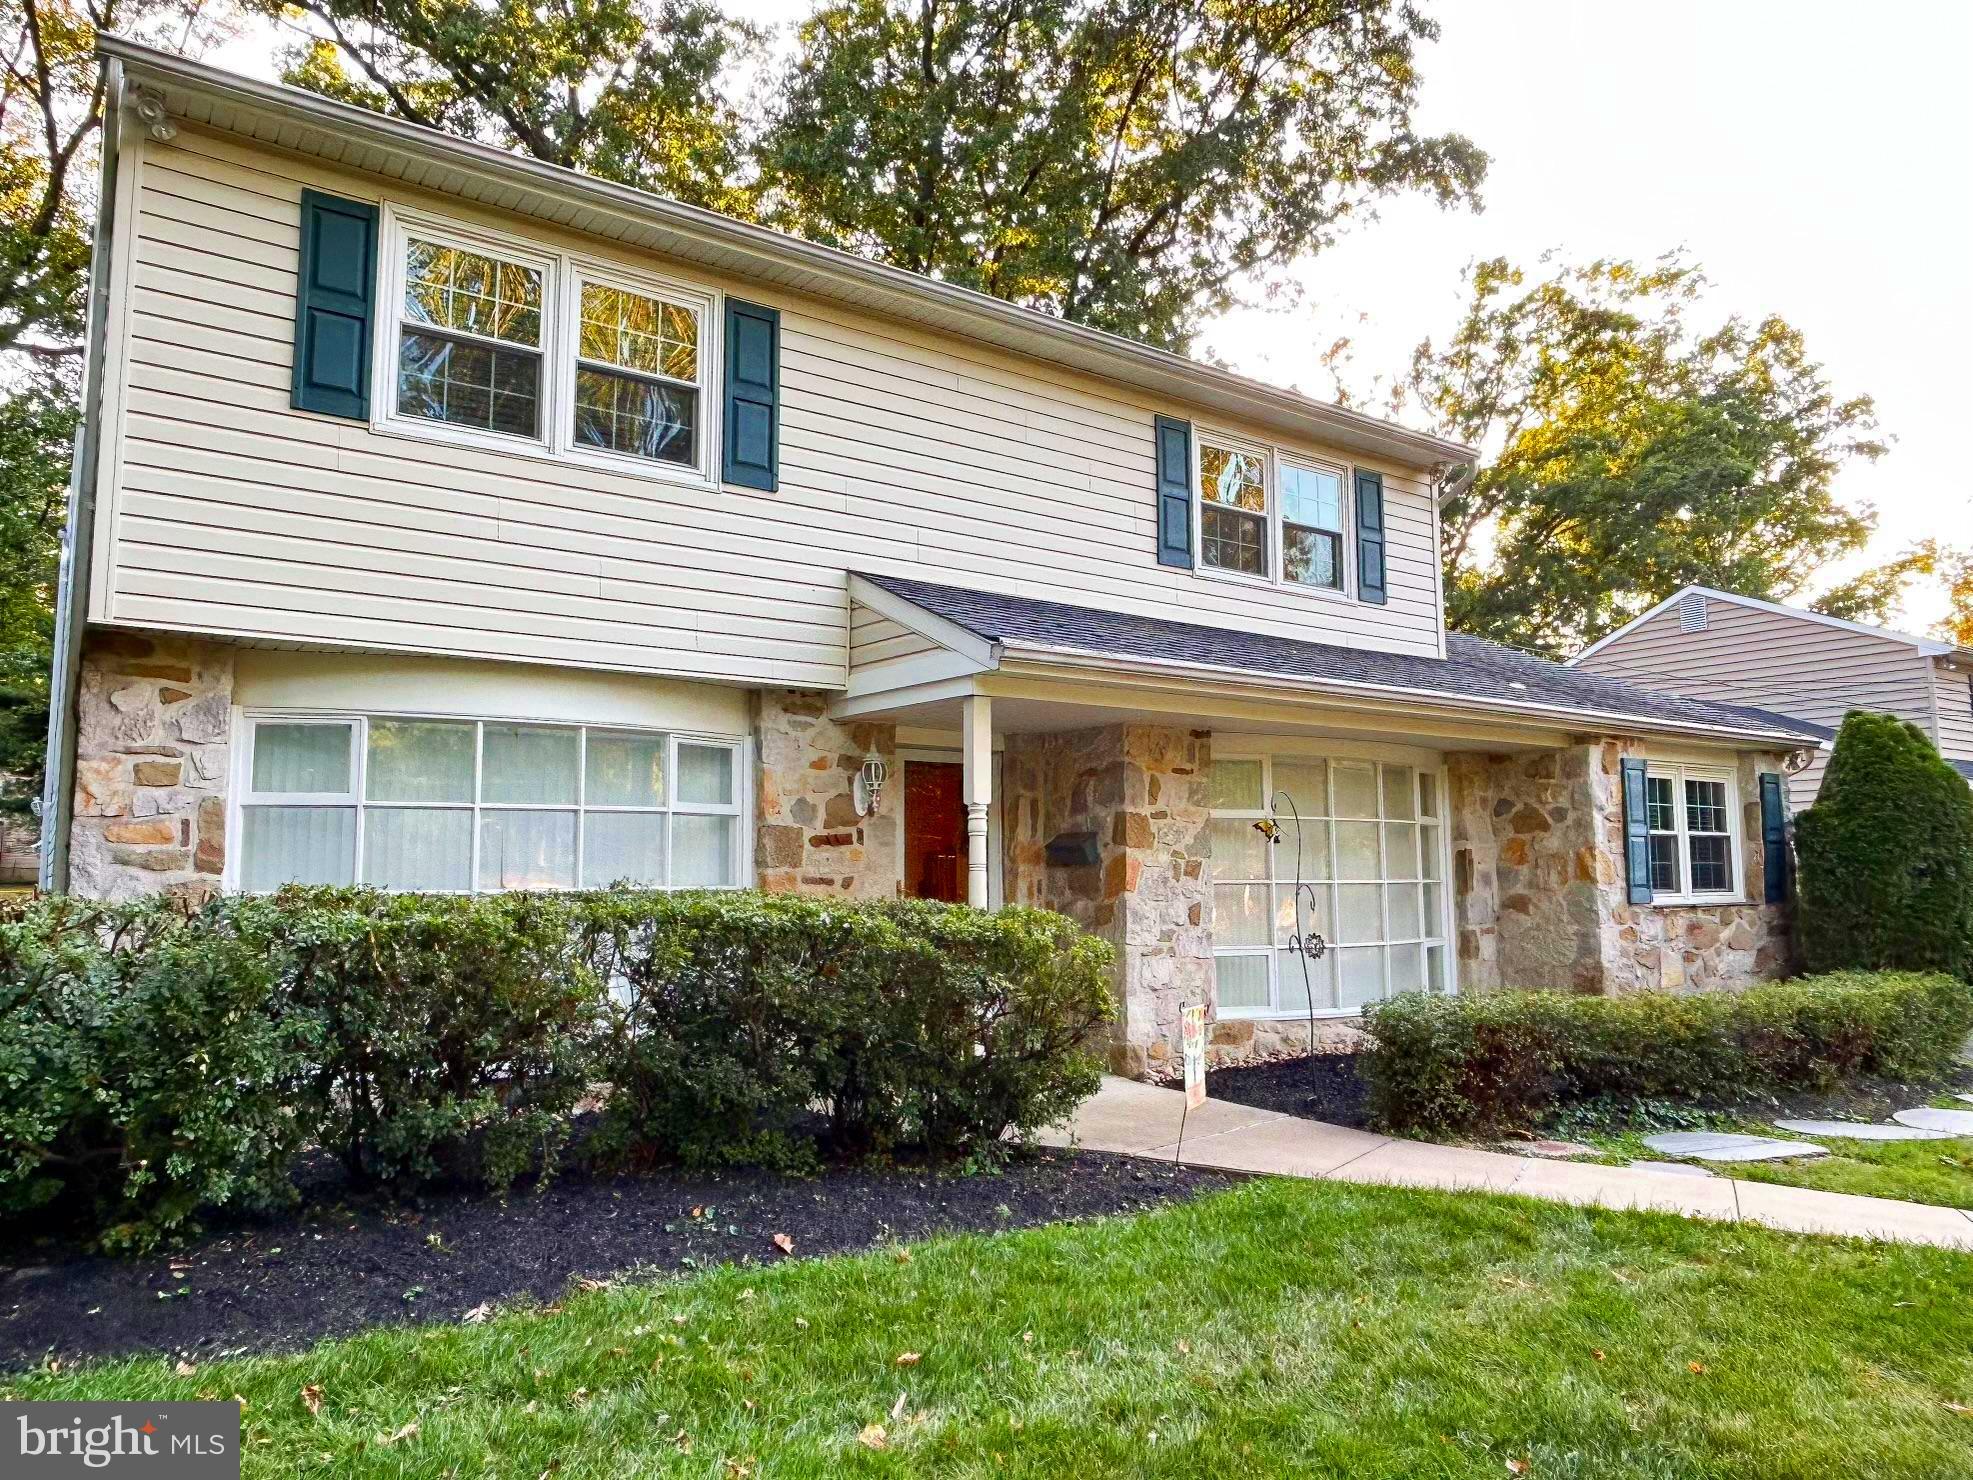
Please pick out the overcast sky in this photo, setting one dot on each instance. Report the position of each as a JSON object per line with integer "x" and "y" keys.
{"x": 1813, "y": 156}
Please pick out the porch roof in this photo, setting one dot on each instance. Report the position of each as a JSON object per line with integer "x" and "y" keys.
{"x": 1474, "y": 671}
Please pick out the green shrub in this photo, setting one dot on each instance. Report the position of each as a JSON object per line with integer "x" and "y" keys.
{"x": 1886, "y": 855}
{"x": 735, "y": 1017}
{"x": 1496, "y": 1060}
{"x": 147, "y": 1067}
{"x": 154, "y": 1060}
{"x": 457, "y": 1032}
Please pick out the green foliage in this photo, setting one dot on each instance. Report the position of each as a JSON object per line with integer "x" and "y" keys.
{"x": 1493, "y": 1060}
{"x": 146, "y": 1068}
{"x": 154, "y": 1060}
{"x": 1632, "y": 453}
{"x": 636, "y": 91}
{"x": 457, "y": 1032}
{"x": 911, "y": 1024}
{"x": 1886, "y": 855}
{"x": 1120, "y": 163}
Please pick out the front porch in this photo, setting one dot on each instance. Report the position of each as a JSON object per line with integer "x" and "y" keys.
{"x": 1283, "y": 846}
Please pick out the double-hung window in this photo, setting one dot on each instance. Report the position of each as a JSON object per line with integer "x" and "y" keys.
{"x": 476, "y": 806}
{"x": 1271, "y": 516}
{"x": 1695, "y": 850}
{"x": 1233, "y": 512}
{"x": 502, "y": 345}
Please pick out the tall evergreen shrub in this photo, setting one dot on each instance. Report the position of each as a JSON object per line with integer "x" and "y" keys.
{"x": 1886, "y": 855}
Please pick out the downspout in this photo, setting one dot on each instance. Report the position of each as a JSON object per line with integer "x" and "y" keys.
{"x": 72, "y": 586}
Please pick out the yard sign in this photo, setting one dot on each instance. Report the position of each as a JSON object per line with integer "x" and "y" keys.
{"x": 1192, "y": 1039}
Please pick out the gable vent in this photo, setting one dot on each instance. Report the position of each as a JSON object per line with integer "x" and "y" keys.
{"x": 1692, "y": 612}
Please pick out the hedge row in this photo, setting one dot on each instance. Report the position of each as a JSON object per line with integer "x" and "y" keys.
{"x": 1497, "y": 1060}
{"x": 155, "y": 1061}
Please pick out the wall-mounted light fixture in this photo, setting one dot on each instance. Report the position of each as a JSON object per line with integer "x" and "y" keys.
{"x": 868, "y": 788}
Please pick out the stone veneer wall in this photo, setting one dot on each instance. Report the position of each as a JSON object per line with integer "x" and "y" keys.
{"x": 153, "y": 722}
{"x": 1144, "y": 792}
{"x": 1540, "y": 892}
{"x": 808, "y": 836}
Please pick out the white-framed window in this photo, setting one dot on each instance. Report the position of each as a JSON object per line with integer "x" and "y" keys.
{"x": 1372, "y": 853}
{"x": 483, "y": 805}
{"x": 1692, "y": 813}
{"x": 499, "y": 343}
{"x": 1266, "y": 514}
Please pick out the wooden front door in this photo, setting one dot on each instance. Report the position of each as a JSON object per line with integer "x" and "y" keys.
{"x": 934, "y": 831}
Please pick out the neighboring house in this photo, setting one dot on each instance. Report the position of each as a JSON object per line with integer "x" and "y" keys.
{"x": 450, "y": 521}
{"x": 1716, "y": 645}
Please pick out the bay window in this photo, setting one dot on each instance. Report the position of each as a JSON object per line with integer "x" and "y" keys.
{"x": 500, "y": 344}
{"x": 1695, "y": 847}
{"x": 483, "y": 805}
{"x": 1370, "y": 851}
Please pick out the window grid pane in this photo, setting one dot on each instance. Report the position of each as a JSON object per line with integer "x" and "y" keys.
{"x": 467, "y": 806}
{"x": 1384, "y": 930}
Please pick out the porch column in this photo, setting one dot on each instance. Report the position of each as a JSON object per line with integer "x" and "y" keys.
{"x": 976, "y": 785}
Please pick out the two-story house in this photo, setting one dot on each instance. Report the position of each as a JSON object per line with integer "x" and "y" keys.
{"x": 1718, "y": 645}
{"x": 449, "y": 521}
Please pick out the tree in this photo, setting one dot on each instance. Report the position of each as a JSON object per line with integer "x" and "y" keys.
{"x": 1886, "y": 855}
{"x": 634, "y": 91}
{"x": 1121, "y": 163}
{"x": 1630, "y": 454}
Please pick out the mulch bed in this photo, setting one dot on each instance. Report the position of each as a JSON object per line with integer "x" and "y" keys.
{"x": 1324, "y": 1086}
{"x": 281, "y": 1285}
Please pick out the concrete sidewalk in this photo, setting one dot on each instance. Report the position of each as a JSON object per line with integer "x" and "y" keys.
{"x": 1143, "y": 1120}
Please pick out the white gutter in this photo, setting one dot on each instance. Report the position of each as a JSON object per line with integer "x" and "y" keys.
{"x": 1126, "y": 360}
{"x": 1051, "y": 656}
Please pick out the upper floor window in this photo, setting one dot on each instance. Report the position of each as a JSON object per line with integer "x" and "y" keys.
{"x": 1695, "y": 847}
{"x": 503, "y": 345}
{"x": 1271, "y": 517}
{"x": 1233, "y": 512}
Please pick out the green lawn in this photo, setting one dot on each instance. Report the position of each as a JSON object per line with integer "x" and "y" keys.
{"x": 1281, "y": 1328}
{"x": 1939, "y": 1172}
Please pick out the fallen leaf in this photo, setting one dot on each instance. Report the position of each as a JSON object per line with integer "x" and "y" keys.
{"x": 682, "y": 1442}
{"x": 1596, "y": 1352}
{"x": 897, "y": 1408}
{"x": 185, "y": 1369}
{"x": 1517, "y": 1467}
{"x": 785, "y": 1244}
{"x": 746, "y": 1294}
{"x": 678, "y": 1320}
{"x": 579, "y": 1398}
{"x": 800, "y": 1324}
{"x": 1185, "y": 1347}
{"x": 698, "y": 1212}
{"x": 311, "y": 1397}
{"x": 1027, "y": 1338}
{"x": 592, "y": 1284}
{"x": 479, "y": 1314}
{"x": 903, "y": 1256}
{"x": 738, "y": 1469}
{"x": 907, "y": 1359}
{"x": 749, "y": 1404}
{"x": 1695, "y": 1368}
{"x": 409, "y": 1431}
{"x": 1962, "y": 1409}
{"x": 871, "y": 1436}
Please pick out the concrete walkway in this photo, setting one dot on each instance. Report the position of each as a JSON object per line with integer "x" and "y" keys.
{"x": 1142, "y": 1120}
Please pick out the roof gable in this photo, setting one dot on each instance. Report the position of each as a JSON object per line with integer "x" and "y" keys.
{"x": 1927, "y": 645}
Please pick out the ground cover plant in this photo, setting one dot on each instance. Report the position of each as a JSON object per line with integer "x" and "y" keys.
{"x": 1280, "y": 1328}
{"x": 157, "y": 1060}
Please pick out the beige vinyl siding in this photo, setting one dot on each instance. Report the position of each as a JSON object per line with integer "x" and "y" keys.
{"x": 1953, "y": 688}
{"x": 1772, "y": 660}
{"x": 230, "y": 513}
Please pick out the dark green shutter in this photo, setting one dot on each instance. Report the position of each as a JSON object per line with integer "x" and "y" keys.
{"x": 753, "y": 393}
{"x": 1774, "y": 837}
{"x": 333, "y": 305}
{"x": 1370, "y": 537}
{"x": 1637, "y": 834}
{"x": 1174, "y": 492}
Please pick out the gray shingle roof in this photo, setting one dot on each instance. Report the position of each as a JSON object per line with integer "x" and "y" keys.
{"x": 1473, "y": 667}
